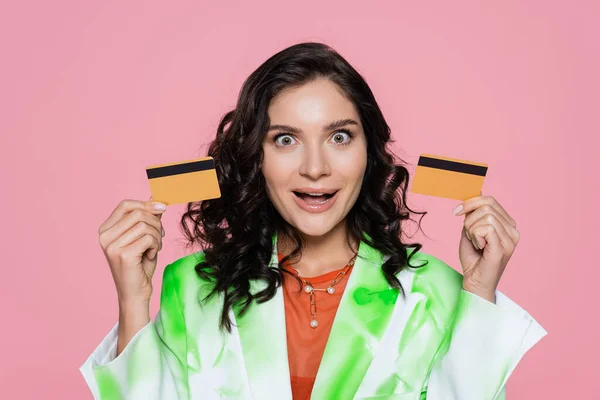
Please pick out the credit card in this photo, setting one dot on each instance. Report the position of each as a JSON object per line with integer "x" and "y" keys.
{"x": 448, "y": 177}
{"x": 184, "y": 181}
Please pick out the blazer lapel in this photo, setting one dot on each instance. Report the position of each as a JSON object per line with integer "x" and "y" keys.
{"x": 360, "y": 322}
{"x": 264, "y": 344}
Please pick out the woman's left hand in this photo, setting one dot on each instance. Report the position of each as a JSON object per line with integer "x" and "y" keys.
{"x": 488, "y": 240}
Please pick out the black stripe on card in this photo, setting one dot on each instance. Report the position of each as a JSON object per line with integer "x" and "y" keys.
{"x": 170, "y": 170}
{"x": 452, "y": 166}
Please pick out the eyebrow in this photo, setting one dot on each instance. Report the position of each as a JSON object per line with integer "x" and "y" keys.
{"x": 329, "y": 127}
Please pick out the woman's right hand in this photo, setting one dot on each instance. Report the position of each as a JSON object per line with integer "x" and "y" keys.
{"x": 131, "y": 238}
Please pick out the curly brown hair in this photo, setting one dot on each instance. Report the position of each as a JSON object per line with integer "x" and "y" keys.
{"x": 236, "y": 230}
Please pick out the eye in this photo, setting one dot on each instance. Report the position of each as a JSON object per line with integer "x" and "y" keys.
{"x": 286, "y": 139}
{"x": 342, "y": 137}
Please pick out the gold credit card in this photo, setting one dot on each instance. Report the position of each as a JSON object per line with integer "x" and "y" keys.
{"x": 184, "y": 181}
{"x": 448, "y": 177}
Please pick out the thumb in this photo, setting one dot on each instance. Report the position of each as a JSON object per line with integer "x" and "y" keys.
{"x": 159, "y": 215}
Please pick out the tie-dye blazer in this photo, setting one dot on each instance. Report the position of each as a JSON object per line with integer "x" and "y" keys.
{"x": 439, "y": 342}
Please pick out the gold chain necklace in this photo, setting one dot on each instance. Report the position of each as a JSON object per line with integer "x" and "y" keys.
{"x": 310, "y": 289}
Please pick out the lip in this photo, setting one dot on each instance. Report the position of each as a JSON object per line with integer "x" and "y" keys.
{"x": 314, "y": 190}
{"x": 315, "y": 208}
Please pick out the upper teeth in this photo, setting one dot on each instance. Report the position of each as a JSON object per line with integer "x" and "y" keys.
{"x": 315, "y": 194}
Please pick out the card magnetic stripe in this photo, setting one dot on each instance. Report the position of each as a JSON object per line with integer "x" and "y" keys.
{"x": 452, "y": 166}
{"x": 178, "y": 169}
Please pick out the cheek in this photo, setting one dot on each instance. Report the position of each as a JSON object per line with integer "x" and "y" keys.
{"x": 276, "y": 174}
{"x": 352, "y": 167}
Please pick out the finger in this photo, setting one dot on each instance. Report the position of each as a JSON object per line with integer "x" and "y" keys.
{"x": 139, "y": 230}
{"x": 162, "y": 229}
{"x": 489, "y": 236}
{"x": 475, "y": 244}
{"x": 125, "y": 207}
{"x": 481, "y": 212}
{"x": 138, "y": 216}
{"x": 476, "y": 202}
{"x": 152, "y": 251}
{"x": 512, "y": 232}
{"x": 498, "y": 207}
{"x": 466, "y": 232}
{"x": 488, "y": 222}
{"x": 135, "y": 218}
{"x": 146, "y": 243}
{"x": 159, "y": 215}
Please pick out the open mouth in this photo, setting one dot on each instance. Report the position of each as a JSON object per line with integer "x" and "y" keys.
{"x": 315, "y": 198}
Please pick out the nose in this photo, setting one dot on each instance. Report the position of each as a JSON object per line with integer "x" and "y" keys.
{"x": 315, "y": 163}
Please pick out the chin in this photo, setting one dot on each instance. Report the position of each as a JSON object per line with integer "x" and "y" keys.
{"x": 314, "y": 231}
{"x": 313, "y": 225}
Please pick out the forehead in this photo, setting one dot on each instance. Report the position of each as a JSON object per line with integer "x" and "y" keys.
{"x": 315, "y": 102}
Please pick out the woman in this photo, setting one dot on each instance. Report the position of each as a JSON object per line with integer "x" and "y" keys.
{"x": 304, "y": 288}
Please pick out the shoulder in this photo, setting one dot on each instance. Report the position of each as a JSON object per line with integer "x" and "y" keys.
{"x": 180, "y": 275}
{"x": 433, "y": 277}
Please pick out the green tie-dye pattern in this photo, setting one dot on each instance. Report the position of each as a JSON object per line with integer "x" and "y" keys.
{"x": 389, "y": 385}
{"x": 108, "y": 386}
{"x": 502, "y": 394}
{"x": 362, "y": 319}
{"x": 202, "y": 328}
{"x": 363, "y": 315}
{"x": 208, "y": 348}
{"x": 263, "y": 340}
{"x": 425, "y": 334}
{"x": 141, "y": 366}
{"x": 151, "y": 354}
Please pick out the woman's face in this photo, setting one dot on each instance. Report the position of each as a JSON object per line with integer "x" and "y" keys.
{"x": 315, "y": 145}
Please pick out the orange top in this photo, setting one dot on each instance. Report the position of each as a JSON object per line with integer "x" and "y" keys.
{"x": 306, "y": 344}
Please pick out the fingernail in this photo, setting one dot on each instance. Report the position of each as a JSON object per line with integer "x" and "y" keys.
{"x": 163, "y": 231}
{"x": 468, "y": 236}
{"x": 457, "y": 209}
{"x": 160, "y": 206}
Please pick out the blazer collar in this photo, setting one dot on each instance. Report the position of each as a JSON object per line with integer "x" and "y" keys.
{"x": 360, "y": 322}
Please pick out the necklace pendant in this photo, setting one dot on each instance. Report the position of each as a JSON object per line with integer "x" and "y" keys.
{"x": 331, "y": 290}
{"x": 314, "y": 323}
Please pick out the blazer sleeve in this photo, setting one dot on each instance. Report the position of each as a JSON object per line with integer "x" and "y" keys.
{"x": 482, "y": 348}
{"x": 152, "y": 365}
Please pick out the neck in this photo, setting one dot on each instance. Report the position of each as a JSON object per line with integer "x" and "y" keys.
{"x": 321, "y": 254}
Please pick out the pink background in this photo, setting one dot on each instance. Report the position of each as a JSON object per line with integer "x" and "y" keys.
{"x": 93, "y": 92}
